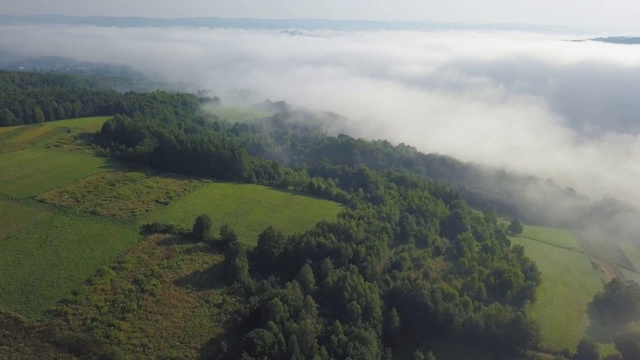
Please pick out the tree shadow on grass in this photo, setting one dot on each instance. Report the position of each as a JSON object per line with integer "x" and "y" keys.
{"x": 221, "y": 346}
{"x": 211, "y": 278}
{"x": 601, "y": 331}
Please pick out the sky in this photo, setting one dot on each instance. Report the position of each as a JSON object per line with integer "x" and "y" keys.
{"x": 591, "y": 13}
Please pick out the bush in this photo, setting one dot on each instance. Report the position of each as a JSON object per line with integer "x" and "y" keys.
{"x": 161, "y": 228}
{"x": 201, "y": 230}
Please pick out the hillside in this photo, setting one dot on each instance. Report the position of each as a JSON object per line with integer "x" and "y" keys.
{"x": 65, "y": 213}
{"x": 168, "y": 231}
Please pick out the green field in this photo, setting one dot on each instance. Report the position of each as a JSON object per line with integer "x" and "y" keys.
{"x": 32, "y": 171}
{"x": 569, "y": 282}
{"x": 91, "y": 124}
{"x": 15, "y": 217}
{"x": 123, "y": 195}
{"x": 45, "y": 261}
{"x": 249, "y": 209}
{"x": 556, "y": 237}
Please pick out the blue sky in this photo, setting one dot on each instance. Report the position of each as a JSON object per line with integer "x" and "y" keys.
{"x": 598, "y": 13}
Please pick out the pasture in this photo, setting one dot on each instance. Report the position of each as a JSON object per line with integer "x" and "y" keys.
{"x": 31, "y": 171}
{"x": 91, "y": 124}
{"x": 123, "y": 195}
{"x": 569, "y": 282}
{"x": 248, "y": 209}
{"x": 556, "y": 237}
{"x": 14, "y": 217}
{"x": 48, "y": 259}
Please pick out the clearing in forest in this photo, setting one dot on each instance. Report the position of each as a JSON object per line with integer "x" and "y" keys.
{"x": 249, "y": 209}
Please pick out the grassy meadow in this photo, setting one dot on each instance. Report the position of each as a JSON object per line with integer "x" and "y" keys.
{"x": 48, "y": 259}
{"x": 248, "y": 209}
{"x": 556, "y": 237}
{"x": 156, "y": 277}
{"x": 123, "y": 195}
{"x": 31, "y": 171}
{"x": 569, "y": 282}
{"x": 91, "y": 124}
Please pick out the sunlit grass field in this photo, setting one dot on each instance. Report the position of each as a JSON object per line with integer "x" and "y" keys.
{"x": 569, "y": 282}
{"x": 32, "y": 171}
{"x": 91, "y": 124}
{"x": 557, "y": 237}
{"x": 126, "y": 195}
{"x": 48, "y": 259}
{"x": 249, "y": 209}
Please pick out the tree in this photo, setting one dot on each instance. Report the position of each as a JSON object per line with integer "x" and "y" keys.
{"x": 628, "y": 344}
{"x": 619, "y": 303}
{"x": 587, "y": 350}
{"x": 201, "y": 230}
{"x": 515, "y": 227}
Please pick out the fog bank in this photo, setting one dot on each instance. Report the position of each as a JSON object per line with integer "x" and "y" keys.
{"x": 528, "y": 102}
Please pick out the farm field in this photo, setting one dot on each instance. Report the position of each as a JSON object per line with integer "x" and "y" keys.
{"x": 123, "y": 195}
{"x": 248, "y": 209}
{"x": 556, "y": 237}
{"x": 45, "y": 261}
{"x": 29, "y": 172}
{"x": 569, "y": 283}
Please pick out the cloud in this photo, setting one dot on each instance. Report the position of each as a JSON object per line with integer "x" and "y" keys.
{"x": 533, "y": 103}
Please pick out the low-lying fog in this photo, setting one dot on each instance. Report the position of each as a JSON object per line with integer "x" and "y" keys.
{"x": 529, "y": 102}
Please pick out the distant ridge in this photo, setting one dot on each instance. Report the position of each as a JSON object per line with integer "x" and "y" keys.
{"x": 624, "y": 40}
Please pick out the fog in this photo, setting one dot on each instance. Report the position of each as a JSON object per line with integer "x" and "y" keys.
{"x": 528, "y": 102}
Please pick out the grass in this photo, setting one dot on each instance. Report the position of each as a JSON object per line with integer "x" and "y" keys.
{"x": 91, "y": 124}
{"x": 236, "y": 114}
{"x": 14, "y": 217}
{"x": 249, "y": 209}
{"x": 122, "y": 195}
{"x": 632, "y": 252}
{"x": 32, "y": 171}
{"x": 68, "y": 134}
{"x": 629, "y": 275}
{"x": 34, "y": 133}
{"x": 45, "y": 261}
{"x": 556, "y": 237}
{"x": 569, "y": 282}
{"x": 164, "y": 298}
